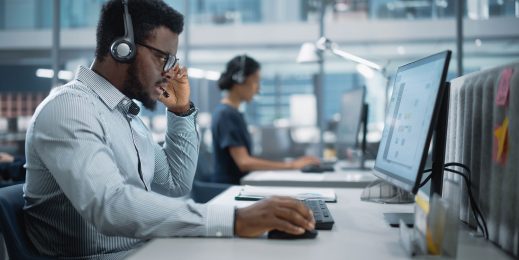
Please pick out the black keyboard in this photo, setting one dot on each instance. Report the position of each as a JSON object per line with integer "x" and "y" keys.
{"x": 317, "y": 168}
{"x": 322, "y": 216}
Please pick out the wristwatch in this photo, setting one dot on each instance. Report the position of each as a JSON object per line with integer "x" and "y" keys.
{"x": 190, "y": 111}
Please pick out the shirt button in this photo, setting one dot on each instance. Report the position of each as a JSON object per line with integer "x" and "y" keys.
{"x": 219, "y": 234}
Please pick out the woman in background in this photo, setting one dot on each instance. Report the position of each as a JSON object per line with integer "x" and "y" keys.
{"x": 232, "y": 145}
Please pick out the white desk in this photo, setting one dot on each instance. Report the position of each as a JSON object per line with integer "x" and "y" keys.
{"x": 340, "y": 178}
{"x": 359, "y": 233}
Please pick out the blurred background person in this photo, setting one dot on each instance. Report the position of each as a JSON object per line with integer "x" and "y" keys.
{"x": 232, "y": 145}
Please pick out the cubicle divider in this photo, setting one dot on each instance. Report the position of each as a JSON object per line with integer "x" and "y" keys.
{"x": 483, "y": 133}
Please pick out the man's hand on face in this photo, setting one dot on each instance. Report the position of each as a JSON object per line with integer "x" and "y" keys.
{"x": 178, "y": 90}
{"x": 281, "y": 213}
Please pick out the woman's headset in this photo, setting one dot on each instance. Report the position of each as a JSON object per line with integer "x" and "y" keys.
{"x": 123, "y": 48}
{"x": 239, "y": 76}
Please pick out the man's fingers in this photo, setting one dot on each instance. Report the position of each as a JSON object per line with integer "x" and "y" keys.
{"x": 287, "y": 227}
{"x": 182, "y": 72}
{"x": 296, "y": 205}
{"x": 294, "y": 217}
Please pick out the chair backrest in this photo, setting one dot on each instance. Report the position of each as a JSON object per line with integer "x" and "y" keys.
{"x": 203, "y": 188}
{"x": 12, "y": 224}
{"x": 204, "y": 191}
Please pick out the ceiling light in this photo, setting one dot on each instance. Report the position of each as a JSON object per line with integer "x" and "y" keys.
{"x": 48, "y": 73}
{"x": 400, "y": 50}
{"x": 478, "y": 42}
{"x": 203, "y": 74}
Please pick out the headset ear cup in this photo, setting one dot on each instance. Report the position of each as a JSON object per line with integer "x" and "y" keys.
{"x": 238, "y": 77}
{"x": 122, "y": 50}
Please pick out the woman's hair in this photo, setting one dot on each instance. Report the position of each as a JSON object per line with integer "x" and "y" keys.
{"x": 241, "y": 64}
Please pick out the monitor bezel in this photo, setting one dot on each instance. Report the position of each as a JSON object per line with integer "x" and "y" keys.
{"x": 408, "y": 185}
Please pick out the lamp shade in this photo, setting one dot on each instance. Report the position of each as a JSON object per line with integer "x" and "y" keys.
{"x": 307, "y": 53}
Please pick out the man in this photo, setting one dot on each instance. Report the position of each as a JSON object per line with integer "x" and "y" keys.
{"x": 97, "y": 186}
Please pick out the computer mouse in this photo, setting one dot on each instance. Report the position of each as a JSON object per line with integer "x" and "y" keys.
{"x": 313, "y": 168}
{"x": 276, "y": 234}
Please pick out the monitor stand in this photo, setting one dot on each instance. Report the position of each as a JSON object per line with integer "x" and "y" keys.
{"x": 380, "y": 191}
{"x": 393, "y": 219}
{"x": 361, "y": 164}
{"x": 365, "y": 112}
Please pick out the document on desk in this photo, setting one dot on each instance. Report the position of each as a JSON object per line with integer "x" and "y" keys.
{"x": 257, "y": 193}
{"x": 285, "y": 176}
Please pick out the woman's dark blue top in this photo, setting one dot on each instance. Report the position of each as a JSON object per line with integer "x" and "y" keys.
{"x": 229, "y": 129}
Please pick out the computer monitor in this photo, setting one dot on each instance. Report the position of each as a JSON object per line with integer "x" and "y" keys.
{"x": 353, "y": 115}
{"x": 413, "y": 112}
{"x": 418, "y": 109}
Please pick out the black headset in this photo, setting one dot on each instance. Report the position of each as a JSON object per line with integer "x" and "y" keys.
{"x": 123, "y": 48}
{"x": 239, "y": 76}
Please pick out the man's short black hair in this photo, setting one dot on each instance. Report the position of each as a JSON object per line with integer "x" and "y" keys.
{"x": 147, "y": 15}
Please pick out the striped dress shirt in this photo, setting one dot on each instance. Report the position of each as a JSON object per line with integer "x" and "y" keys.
{"x": 85, "y": 197}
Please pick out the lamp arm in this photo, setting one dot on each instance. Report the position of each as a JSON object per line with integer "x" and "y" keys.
{"x": 349, "y": 56}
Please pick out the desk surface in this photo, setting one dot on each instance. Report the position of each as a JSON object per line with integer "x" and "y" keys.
{"x": 360, "y": 232}
{"x": 340, "y": 178}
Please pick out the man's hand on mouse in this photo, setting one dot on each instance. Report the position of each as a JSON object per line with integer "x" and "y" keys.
{"x": 281, "y": 213}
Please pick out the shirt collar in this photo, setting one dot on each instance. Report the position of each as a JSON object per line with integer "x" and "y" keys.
{"x": 107, "y": 92}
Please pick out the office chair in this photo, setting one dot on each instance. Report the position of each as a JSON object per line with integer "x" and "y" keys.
{"x": 12, "y": 224}
{"x": 12, "y": 173}
{"x": 204, "y": 191}
{"x": 203, "y": 187}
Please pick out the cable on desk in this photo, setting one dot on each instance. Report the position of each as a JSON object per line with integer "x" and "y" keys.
{"x": 474, "y": 206}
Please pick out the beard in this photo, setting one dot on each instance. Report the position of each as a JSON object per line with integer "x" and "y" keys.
{"x": 134, "y": 89}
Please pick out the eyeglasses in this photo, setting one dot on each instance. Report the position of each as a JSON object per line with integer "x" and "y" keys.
{"x": 168, "y": 59}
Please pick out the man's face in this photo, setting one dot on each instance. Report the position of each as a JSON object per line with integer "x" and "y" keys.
{"x": 146, "y": 74}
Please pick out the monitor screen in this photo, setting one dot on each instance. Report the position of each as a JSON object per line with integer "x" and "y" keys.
{"x": 348, "y": 127}
{"x": 410, "y": 121}
{"x": 351, "y": 115}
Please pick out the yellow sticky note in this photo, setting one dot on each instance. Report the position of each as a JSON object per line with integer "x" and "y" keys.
{"x": 500, "y": 147}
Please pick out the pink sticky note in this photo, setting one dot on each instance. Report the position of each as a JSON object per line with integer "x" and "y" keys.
{"x": 503, "y": 89}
